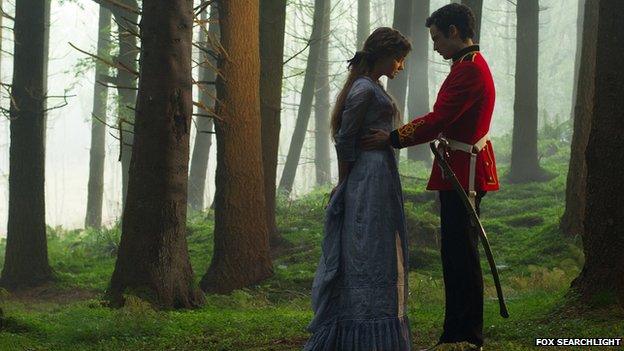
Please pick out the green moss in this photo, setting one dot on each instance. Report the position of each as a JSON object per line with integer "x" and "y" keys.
{"x": 536, "y": 265}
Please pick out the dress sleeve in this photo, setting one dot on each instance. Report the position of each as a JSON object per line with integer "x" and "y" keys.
{"x": 463, "y": 89}
{"x": 356, "y": 104}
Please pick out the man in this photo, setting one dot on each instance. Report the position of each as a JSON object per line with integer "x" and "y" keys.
{"x": 461, "y": 114}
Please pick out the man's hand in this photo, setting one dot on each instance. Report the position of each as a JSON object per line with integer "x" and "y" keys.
{"x": 378, "y": 139}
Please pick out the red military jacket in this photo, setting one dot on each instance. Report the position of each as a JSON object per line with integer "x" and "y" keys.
{"x": 462, "y": 112}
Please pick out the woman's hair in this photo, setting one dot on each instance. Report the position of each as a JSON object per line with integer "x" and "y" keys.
{"x": 381, "y": 43}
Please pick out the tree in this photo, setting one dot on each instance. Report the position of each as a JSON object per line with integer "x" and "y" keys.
{"x": 241, "y": 243}
{"x": 603, "y": 237}
{"x": 321, "y": 107}
{"x": 125, "y": 15}
{"x": 363, "y": 22}
{"x": 126, "y": 83}
{"x": 1, "y": 33}
{"x": 572, "y": 219}
{"x": 26, "y": 258}
{"x": 305, "y": 105}
{"x": 402, "y": 21}
{"x": 477, "y": 8}
{"x": 153, "y": 259}
{"x": 95, "y": 186}
{"x": 272, "y": 24}
{"x": 203, "y": 137}
{"x": 577, "y": 57}
{"x": 418, "y": 67}
{"x": 524, "y": 162}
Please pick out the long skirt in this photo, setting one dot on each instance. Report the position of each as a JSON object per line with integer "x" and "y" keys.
{"x": 360, "y": 289}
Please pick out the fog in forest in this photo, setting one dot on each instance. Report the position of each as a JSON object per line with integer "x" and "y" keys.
{"x": 71, "y": 74}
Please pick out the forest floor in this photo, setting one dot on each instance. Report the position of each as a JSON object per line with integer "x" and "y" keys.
{"x": 536, "y": 266}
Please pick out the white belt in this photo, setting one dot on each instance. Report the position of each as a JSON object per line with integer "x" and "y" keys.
{"x": 473, "y": 150}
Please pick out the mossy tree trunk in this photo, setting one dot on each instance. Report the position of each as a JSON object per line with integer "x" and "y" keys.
{"x": 572, "y": 219}
{"x": 153, "y": 259}
{"x": 26, "y": 258}
{"x": 603, "y": 237}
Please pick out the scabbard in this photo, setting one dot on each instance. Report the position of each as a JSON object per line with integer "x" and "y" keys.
{"x": 476, "y": 223}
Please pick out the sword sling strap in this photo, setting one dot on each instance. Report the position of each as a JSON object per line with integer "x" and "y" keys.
{"x": 473, "y": 150}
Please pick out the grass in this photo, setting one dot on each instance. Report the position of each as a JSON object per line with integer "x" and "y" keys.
{"x": 536, "y": 265}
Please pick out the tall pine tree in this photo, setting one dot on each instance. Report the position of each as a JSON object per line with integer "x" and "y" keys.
{"x": 241, "y": 242}
{"x": 153, "y": 260}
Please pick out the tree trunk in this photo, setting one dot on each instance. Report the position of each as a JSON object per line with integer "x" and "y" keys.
{"x": 477, "y": 8}
{"x": 305, "y": 105}
{"x": 153, "y": 259}
{"x": 397, "y": 87}
{"x": 98, "y": 128}
{"x": 126, "y": 82}
{"x": 577, "y": 56}
{"x": 203, "y": 137}
{"x": 363, "y": 22}
{"x": 1, "y": 36}
{"x": 26, "y": 257}
{"x": 272, "y": 24}
{"x": 418, "y": 66}
{"x": 321, "y": 108}
{"x": 572, "y": 219}
{"x": 524, "y": 163}
{"x": 241, "y": 246}
{"x": 602, "y": 276}
{"x": 509, "y": 7}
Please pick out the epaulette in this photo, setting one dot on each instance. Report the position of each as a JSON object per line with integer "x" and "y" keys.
{"x": 469, "y": 57}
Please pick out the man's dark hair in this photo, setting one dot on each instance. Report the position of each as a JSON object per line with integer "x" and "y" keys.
{"x": 459, "y": 15}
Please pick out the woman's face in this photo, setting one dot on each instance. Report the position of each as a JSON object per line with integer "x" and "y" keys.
{"x": 391, "y": 66}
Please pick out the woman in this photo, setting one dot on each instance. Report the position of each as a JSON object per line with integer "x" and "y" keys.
{"x": 359, "y": 293}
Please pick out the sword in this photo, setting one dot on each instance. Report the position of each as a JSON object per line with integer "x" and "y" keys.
{"x": 474, "y": 219}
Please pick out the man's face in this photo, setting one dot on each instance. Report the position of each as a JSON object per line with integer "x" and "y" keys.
{"x": 445, "y": 46}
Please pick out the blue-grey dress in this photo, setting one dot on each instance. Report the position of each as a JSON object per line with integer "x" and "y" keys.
{"x": 359, "y": 293}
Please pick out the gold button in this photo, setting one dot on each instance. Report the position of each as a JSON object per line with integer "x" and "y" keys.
{"x": 489, "y": 178}
{"x": 487, "y": 163}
